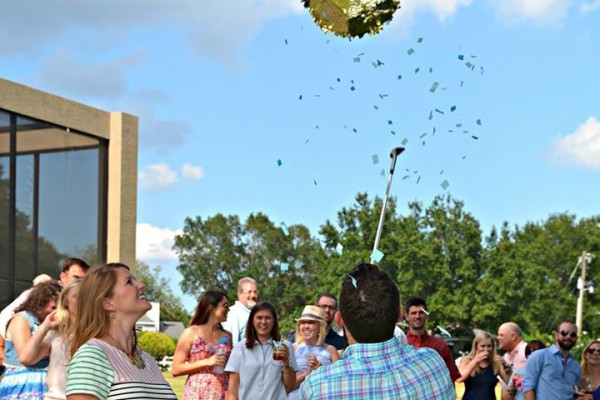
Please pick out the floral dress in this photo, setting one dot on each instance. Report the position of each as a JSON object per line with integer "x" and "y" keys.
{"x": 205, "y": 384}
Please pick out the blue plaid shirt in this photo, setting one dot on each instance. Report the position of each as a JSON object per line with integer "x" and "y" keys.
{"x": 387, "y": 370}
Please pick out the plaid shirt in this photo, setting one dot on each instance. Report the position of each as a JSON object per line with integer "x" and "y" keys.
{"x": 387, "y": 370}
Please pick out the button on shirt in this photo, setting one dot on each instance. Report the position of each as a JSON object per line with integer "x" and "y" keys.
{"x": 380, "y": 371}
{"x": 260, "y": 376}
{"x": 550, "y": 376}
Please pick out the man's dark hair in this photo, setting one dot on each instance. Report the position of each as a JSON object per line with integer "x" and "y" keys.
{"x": 369, "y": 304}
{"x": 72, "y": 261}
{"x": 328, "y": 295}
{"x": 414, "y": 301}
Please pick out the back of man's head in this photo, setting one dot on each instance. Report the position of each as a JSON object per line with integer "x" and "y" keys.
{"x": 369, "y": 304}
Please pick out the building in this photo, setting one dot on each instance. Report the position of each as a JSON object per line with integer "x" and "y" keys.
{"x": 68, "y": 185}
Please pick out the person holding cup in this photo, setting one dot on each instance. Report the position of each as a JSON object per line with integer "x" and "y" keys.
{"x": 310, "y": 349}
{"x": 479, "y": 368}
{"x": 262, "y": 366}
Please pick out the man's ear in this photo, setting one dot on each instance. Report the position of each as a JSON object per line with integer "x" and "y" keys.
{"x": 108, "y": 305}
{"x": 338, "y": 319}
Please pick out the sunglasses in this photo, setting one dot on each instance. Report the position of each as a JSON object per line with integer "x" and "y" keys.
{"x": 593, "y": 351}
{"x": 573, "y": 334}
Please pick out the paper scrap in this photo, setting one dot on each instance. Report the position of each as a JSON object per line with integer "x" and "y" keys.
{"x": 279, "y": 163}
{"x": 375, "y": 158}
{"x": 284, "y": 228}
{"x": 434, "y": 87}
{"x": 410, "y": 52}
{"x": 376, "y": 255}
{"x": 339, "y": 249}
{"x": 445, "y": 184}
{"x": 284, "y": 267}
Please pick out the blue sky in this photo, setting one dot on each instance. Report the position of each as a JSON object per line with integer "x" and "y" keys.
{"x": 224, "y": 89}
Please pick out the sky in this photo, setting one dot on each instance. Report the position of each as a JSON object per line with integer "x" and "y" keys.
{"x": 247, "y": 106}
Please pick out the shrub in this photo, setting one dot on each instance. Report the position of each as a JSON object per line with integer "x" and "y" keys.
{"x": 157, "y": 344}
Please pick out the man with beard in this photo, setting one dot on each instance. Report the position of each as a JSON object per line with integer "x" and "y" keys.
{"x": 237, "y": 319}
{"x": 553, "y": 373}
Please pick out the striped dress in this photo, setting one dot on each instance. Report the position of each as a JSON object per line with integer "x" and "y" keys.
{"x": 105, "y": 372}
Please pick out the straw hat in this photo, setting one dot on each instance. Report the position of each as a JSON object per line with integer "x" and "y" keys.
{"x": 312, "y": 313}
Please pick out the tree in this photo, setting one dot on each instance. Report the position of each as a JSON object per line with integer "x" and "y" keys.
{"x": 158, "y": 289}
{"x": 156, "y": 344}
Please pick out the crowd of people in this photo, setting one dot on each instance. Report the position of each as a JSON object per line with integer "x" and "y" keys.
{"x": 75, "y": 339}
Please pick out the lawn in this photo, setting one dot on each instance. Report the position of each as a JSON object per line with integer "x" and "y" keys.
{"x": 177, "y": 385}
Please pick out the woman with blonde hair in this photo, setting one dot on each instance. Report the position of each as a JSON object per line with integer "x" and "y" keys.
{"x": 589, "y": 385}
{"x": 106, "y": 361}
{"x": 52, "y": 338}
{"x": 310, "y": 348}
{"x": 479, "y": 369}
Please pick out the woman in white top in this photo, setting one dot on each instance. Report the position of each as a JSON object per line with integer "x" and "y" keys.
{"x": 52, "y": 337}
{"x": 310, "y": 349}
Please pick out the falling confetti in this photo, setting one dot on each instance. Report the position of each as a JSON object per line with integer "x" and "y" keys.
{"x": 417, "y": 70}
{"x": 420, "y": 40}
{"x": 286, "y": 41}
{"x": 353, "y": 280}
{"x": 475, "y": 137}
{"x": 399, "y": 77}
{"x": 375, "y": 158}
{"x": 279, "y": 163}
{"x": 445, "y": 185}
{"x": 339, "y": 249}
{"x": 423, "y": 135}
{"x": 390, "y": 122}
{"x": 393, "y": 132}
{"x": 410, "y": 52}
{"x": 404, "y": 141}
{"x": 284, "y": 228}
{"x": 352, "y": 88}
{"x": 356, "y": 59}
{"x": 284, "y": 267}
{"x": 376, "y": 107}
{"x": 434, "y": 87}
{"x": 300, "y": 97}
{"x": 453, "y": 108}
{"x": 478, "y": 122}
{"x": 461, "y": 57}
{"x": 377, "y": 255}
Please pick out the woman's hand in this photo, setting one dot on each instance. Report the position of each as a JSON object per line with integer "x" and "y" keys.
{"x": 481, "y": 356}
{"x": 218, "y": 359}
{"x": 313, "y": 363}
{"x": 50, "y": 322}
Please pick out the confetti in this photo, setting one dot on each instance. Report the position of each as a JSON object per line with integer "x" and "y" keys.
{"x": 404, "y": 141}
{"x": 300, "y": 97}
{"x": 354, "y": 129}
{"x": 390, "y": 122}
{"x": 445, "y": 185}
{"x": 434, "y": 87}
{"x": 352, "y": 88}
{"x": 356, "y": 59}
{"x": 399, "y": 77}
{"x": 393, "y": 132}
{"x": 331, "y": 88}
{"x": 461, "y": 83}
{"x": 475, "y": 137}
{"x": 470, "y": 65}
{"x": 279, "y": 163}
{"x": 417, "y": 70}
{"x": 284, "y": 228}
{"x": 478, "y": 122}
{"x": 453, "y": 108}
{"x": 375, "y": 158}
{"x": 382, "y": 172}
{"x": 339, "y": 249}
{"x": 315, "y": 182}
{"x": 433, "y": 131}
{"x": 420, "y": 40}
{"x": 410, "y": 52}
{"x": 405, "y": 177}
{"x": 284, "y": 267}
{"x": 430, "y": 70}
{"x": 376, "y": 255}
{"x": 376, "y": 107}
{"x": 439, "y": 111}
{"x": 441, "y": 172}
{"x": 306, "y": 141}
{"x": 464, "y": 157}
{"x": 419, "y": 179}
{"x": 425, "y": 311}
{"x": 285, "y": 41}
{"x": 423, "y": 135}
{"x": 461, "y": 57}
{"x": 353, "y": 280}
{"x": 338, "y": 79}
{"x": 430, "y": 115}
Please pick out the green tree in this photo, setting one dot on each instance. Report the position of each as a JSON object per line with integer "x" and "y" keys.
{"x": 158, "y": 289}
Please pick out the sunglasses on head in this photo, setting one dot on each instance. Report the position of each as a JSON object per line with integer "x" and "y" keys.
{"x": 573, "y": 334}
{"x": 593, "y": 351}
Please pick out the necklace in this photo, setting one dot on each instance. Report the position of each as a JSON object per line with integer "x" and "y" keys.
{"x": 135, "y": 358}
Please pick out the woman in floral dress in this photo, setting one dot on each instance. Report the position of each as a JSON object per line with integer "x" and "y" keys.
{"x": 203, "y": 350}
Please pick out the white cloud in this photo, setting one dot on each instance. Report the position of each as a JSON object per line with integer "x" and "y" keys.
{"x": 589, "y": 7}
{"x": 157, "y": 177}
{"x": 192, "y": 172}
{"x": 580, "y": 148}
{"x": 68, "y": 73}
{"x": 154, "y": 243}
{"x": 217, "y": 28}
{"x": 409, "y": 9}
{"x": 539, "y": 11}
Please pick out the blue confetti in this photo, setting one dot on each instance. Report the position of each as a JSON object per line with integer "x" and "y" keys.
{"x": 376, "y": 255}
{"x": 284, "y": 228}
{"x": 353, "y": 279}
{"x": 339, "y": 249}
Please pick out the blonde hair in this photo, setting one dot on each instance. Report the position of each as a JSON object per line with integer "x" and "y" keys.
{"x": 92, "y": 320}
{"x": 584, "y": 366}
{"x": 320, "y": 338}
{"x": 480, "y": 336}
{"x": 62, "y": 309}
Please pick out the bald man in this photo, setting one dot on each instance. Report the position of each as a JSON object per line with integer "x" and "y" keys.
{"x": 510, "y": 340}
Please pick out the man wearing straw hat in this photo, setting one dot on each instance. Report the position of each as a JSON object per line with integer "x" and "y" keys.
{"x": 375, "y": 364}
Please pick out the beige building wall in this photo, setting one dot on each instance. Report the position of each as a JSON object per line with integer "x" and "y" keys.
{"x": 121, "y": 131}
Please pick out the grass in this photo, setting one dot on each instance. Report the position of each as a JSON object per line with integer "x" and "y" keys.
{"x": 177, "y": 385}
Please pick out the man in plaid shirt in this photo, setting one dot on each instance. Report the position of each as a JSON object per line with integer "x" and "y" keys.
{"x": 375, "y": 365}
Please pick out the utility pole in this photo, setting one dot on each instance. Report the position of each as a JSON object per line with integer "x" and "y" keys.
{"x": 584, "y": 260}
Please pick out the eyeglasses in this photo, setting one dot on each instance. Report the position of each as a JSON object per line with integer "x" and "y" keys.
{"x": 573, "y": 334}
{"x": 593, "y": 351}
{"x": 325, "y": 306}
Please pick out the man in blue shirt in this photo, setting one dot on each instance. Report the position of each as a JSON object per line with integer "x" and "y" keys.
{"x": 553, "y": 373}
{"x": 376, "y": 365}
